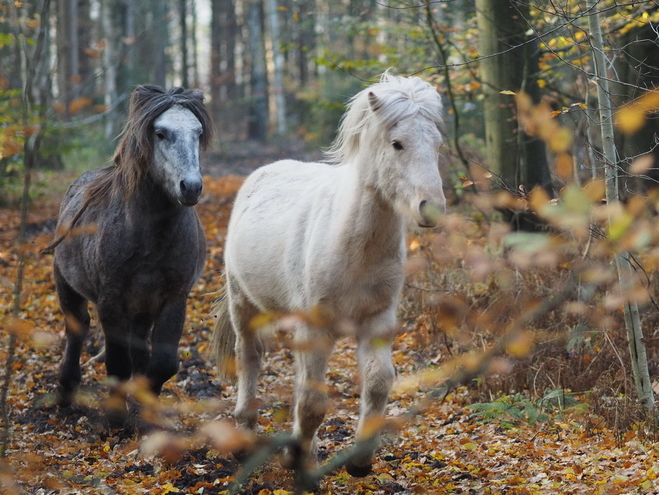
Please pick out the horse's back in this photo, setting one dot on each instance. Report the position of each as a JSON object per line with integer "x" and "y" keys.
{"x": 74, "y": 196}
{"x": 273, "y": 222}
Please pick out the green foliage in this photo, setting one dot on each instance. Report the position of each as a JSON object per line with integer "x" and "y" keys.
{"x": 515, "y": 409}
{"x": 322, "y": 105}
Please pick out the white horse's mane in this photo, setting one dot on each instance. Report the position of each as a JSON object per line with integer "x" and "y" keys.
{"x": 400, "y": 97}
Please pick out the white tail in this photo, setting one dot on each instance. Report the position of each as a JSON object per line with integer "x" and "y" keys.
{"x": 224, "y": 341}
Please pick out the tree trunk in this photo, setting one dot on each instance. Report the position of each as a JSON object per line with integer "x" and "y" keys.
{"x": 84, "y": 35}
{"x": 160, "y": 42}
{"x": 183, "y": 25}
{"x": 216, "y": 54}
{"x": 306, "y": 41}
{"x": 110, "y": 65}
{"x": 257, "y": 128}
{"x": 68, "y": 53}
{"x": 278, "y": 60}
{"x": 123, "y": 14}
{"x": 509, "y": 63}
{"x": 638, "y": 65}
{"x": 635, "y": 338}
{"x": 195, "y": 58}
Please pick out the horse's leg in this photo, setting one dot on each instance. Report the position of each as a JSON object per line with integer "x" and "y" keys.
{"x": 139, "y": 348}
{"x": 312, "y": 351}
{"x": 165, "y": 337}
{"x": 116, "y": 328}
{"x": 374, "y": 341}
{"x": 249, "y": 352}
{"x": 76, "y": 316}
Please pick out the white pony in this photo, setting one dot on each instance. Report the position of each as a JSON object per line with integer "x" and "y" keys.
{"x": 330, "y": 239}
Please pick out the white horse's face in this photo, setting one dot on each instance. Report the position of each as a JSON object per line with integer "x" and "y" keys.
{"x": 176, "y": 154}
{"x": 408, "y": 174}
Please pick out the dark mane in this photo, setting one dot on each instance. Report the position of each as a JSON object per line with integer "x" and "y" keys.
{"x": 135, "y": 151}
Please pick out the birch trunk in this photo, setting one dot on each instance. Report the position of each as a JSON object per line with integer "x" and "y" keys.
{"x": 278, "y": 60}
{"x": 632, "y": 317}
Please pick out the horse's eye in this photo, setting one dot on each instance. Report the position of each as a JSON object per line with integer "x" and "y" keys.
{"x": 397, "y": 146}
{"x": 160, "y": 135}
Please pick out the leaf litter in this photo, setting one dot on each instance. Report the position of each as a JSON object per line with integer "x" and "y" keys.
{"x": 445, "y": 449}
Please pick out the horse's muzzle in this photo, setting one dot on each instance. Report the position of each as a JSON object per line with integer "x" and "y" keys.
{"x": 430, "y": 213}
{"x": 190, "y": 191}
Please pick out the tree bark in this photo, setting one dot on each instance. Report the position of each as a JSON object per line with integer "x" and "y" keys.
{"x": 160, "y": 42}
{"x": 110, "y": 65}
{"x": 509, "y": 63}
{"x": 68, "y": 52}
{"x": 257, "y": 128}
{"x": 633, "y": 326}
{"x": 306, "y": 40}
{"x": 278, "y": 60}
{"x": 638, "y": 65}
{"x": 183, "y": 42}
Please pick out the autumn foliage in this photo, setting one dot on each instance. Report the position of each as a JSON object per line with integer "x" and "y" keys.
{"x": 553, "y": 418}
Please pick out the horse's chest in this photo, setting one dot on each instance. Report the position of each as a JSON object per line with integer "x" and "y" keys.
{"x": 144, "y": 277}
{"x": 361, "y": 294}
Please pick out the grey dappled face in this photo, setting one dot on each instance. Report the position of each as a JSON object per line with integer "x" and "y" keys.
{"x": 176, "y": 154}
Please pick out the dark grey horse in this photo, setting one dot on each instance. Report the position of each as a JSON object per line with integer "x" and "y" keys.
{"x": 130, "y": 242}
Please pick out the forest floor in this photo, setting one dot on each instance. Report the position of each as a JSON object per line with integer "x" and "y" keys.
{"x": 444, "y": 449}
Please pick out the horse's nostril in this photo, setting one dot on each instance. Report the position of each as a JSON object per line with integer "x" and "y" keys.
{"x": 422, "y": 205}
{"x": 184, "y": 188}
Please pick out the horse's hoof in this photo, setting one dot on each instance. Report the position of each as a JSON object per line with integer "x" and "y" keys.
{"x": 116, "y": 416}
{"x": 64, "y": 398}
{"x": 241, "y": 455}
{"x": 358, "y": 471}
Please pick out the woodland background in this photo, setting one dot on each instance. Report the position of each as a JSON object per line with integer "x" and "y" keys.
{"x": 528, "y": 353}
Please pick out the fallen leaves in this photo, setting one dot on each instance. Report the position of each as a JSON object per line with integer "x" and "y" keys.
{"x": 443, "y": 450}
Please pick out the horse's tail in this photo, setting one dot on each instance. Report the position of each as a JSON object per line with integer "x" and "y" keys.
{"x": 224, "y": 340}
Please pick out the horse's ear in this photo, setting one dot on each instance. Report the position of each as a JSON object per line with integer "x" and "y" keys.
{"x": 143, "y": 92}
{"x": 197, "y": 94}
{"x": 374, "y": 101}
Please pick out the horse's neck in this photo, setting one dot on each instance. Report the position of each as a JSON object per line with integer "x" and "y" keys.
{"x": 371, "y": 226}
{"x": 150, "y": 208}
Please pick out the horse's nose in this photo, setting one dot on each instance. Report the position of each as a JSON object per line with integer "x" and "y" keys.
{"x": 190, "y": 191}
{"x": 430, "y": 212}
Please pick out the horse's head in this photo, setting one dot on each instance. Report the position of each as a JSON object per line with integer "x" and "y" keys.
{"x": 176, "y": 135}
{"x": 161, "y": 139}
{"x": 392, "y": 129}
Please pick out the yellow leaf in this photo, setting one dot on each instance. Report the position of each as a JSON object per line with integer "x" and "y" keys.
{"x": 263, "y": 319}
{"x": 521, "y": 345}
{"x": 560, "y": 140}
{"x": 595, "y": 190}
{"x": 620, "y": 225}
{"x": 631, "y": 117}
{"x": 538, "y": 199}
{"x": 564, "y": 166}
{"x": 469, "y": 446}
{"x": 507, "y": 92}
